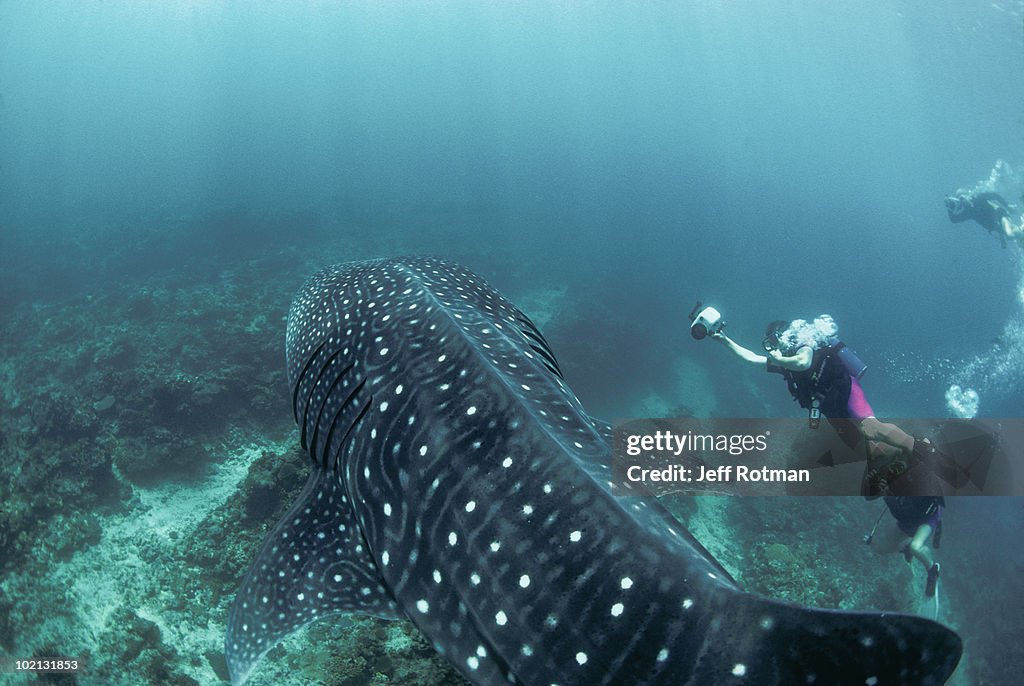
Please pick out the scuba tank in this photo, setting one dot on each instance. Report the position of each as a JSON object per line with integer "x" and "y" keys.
{"x": 851, "y": 362}
{"x": 852, "y": 365}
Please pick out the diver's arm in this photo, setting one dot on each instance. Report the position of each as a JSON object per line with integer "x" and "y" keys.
{"x": 798, "y": 362}
{"x": 743, "y": 353}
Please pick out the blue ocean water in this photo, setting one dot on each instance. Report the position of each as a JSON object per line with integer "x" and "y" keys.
{"x": 781, "y": 159}
{"x": 604, "y": 164}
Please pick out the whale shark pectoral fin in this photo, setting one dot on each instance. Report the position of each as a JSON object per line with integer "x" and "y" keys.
{"x": 780, "y": 643}
{"x": 313, "y": 563}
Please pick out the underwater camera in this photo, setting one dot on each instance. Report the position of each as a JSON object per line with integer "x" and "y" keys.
{"x": 705, "y": 321}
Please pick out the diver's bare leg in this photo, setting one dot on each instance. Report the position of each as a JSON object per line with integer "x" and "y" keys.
{"x": 880, "y": 432}
{"x": 919, "y": 545}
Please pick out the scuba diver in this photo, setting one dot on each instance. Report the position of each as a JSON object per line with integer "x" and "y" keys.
{"x": 990, "y": 210}
{"x": 823, "y": 376}
{"x": 918, "y": 521}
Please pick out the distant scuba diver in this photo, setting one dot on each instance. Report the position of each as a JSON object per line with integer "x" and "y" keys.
{"x": 918, "y": 522}
{"x": 990, "y": 210}
{"x": 823, "y": 376}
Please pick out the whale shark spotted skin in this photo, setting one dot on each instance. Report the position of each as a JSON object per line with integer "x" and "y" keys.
{"x": 459, "y": 483}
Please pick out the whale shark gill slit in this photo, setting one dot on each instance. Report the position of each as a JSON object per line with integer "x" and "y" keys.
{"x": 344, "y": 439}
{"x": 298, "y": 384}
{"x": 312, "y": 392}
{"x": 323, "y": 405}
{"x": 541, "y": 348}
{"x": 548, "y": 361}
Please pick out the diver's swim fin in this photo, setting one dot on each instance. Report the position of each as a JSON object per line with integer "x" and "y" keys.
{"x": 933, "y": 580}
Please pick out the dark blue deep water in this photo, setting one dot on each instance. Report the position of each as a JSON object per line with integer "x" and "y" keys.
{"x": 170, "y": 172}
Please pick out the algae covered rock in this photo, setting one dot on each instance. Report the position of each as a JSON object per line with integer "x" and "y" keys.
{"x": 142, "y": 652}
{"x": 63, "y": 416}
{"x": 779, "y": 553}
{"x": 161, "y": 456}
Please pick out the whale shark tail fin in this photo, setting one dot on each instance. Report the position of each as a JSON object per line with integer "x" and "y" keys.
{"x": 783, "y": 643}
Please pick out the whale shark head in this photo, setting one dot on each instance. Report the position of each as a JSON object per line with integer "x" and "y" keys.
{"x": 458, "y": 482}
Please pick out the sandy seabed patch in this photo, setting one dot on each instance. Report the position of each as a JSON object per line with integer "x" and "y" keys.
{"x": 135, "y": 567}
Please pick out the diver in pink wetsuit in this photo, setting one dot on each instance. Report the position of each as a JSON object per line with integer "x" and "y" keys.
{"x": 823, "y": 375}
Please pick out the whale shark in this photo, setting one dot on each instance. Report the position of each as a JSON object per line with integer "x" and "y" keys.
{"x": 458, "y": 482}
